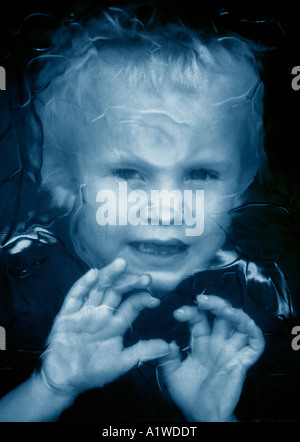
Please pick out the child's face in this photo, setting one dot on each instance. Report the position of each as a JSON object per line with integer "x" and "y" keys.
{"x": 166, "y": 140}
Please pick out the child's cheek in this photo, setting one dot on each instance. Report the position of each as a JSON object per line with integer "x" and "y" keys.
{"x": 218, "y": 203}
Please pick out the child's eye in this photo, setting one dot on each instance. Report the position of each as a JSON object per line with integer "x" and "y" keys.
{"x": 202, "y": 175}
{"x": 127, "y": 174}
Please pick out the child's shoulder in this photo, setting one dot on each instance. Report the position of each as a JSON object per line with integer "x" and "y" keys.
{"x": 36, "y": 272}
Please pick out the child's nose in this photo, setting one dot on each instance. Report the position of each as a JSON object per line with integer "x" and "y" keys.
{"x": 166, "y": 211}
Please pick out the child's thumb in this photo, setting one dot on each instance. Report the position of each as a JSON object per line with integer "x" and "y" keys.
{"x": 170, "y": 362}
{"x": 145, "y": 351}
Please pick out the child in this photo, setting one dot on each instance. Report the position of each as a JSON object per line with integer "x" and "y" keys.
{"x": 132, "y": 108}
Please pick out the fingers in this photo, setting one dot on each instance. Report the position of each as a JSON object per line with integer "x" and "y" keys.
{"x": 171, "y": 361}
{"x": 222, "y": 328}
{"x": 230, "y": 324}
{"x": 115, "y": 321}
{"x": 86, "y": 285}
{"x": 244, "y": 329}
{"x": 250, "y": 354}
{"x": 111, "y": 294}
{"x": 79, "y": 291}
{"x": 223, "y": 311}
{"x": 107, "y": 276}
{"x": 132, "y": 306}
{"x": 144, "y": 351}
{"x": 109, "y": 273}
{"x": 196, "y": 319}
{"x": 131, "y": 281}
{"x": 238, "y": 340}
{"x": 91, "y": 308}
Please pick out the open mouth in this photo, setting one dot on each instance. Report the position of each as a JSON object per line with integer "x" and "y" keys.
{"x": 158, "y": 247}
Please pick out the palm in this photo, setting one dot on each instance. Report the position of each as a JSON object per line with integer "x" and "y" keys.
{"x": 91, "y": 339}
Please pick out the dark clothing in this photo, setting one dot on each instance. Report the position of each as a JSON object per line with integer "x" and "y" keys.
{"x": 37, "y": 272}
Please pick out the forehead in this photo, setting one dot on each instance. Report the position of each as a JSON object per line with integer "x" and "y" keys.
{"x": 156, "y": 135}
{"x": 117, "y": 75}
{"x": 142, "y": 120}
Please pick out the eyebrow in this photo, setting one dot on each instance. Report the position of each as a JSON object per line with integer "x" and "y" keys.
{"x": 128, "y": 160}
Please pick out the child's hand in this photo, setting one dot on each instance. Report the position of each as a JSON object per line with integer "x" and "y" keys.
{"x": 206, "y": 386}
{"x": 85, "y": 347}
